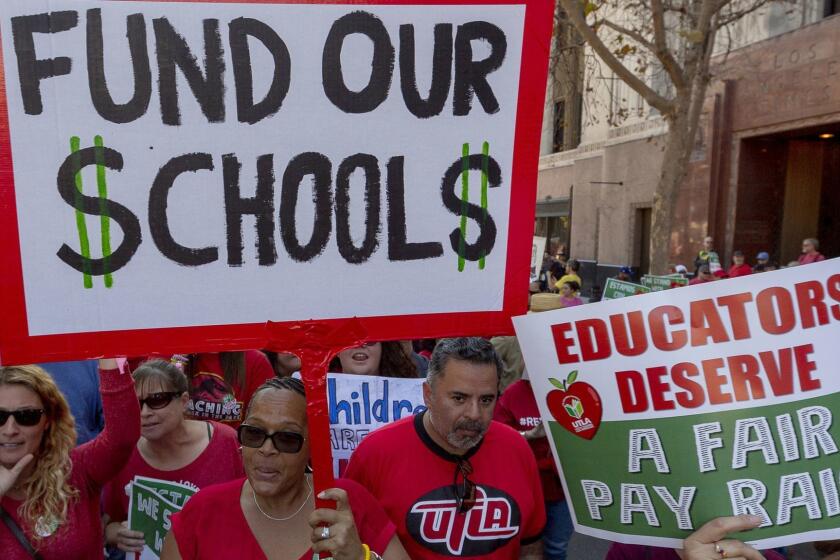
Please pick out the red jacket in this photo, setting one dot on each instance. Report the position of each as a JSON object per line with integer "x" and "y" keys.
{"x": 739, "y": 270}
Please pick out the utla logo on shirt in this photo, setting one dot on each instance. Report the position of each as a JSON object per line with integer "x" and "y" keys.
{"x": 435, "y": 523}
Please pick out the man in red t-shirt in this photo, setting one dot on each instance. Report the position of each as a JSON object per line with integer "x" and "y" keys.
{"x": 456, "y": 483}
{"x": 739, "y": 267}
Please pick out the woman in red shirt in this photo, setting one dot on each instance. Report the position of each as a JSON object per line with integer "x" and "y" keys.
{"x": 50, "y": 489}
{"x": 271, "y": 513}
{"x": 171, "y": 448}
{"x": 221, "y": 383}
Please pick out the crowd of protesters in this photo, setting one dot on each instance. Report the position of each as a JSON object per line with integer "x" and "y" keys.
{"x": 559, "y": 274}
{"x": 233, "y": 426}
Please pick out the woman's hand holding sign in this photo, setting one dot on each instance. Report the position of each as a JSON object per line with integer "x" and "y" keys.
{"x": 124, "y": 538}
{"x": 709, "y": 542}
{"x": 335, "y": 530}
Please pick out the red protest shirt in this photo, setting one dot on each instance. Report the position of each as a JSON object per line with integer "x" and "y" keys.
{"x": 517, "y": 408}
{"x": 94, "y": 463}
{"x": 213, "y": 398}
{"x": 739, "y": 270}
{"x": 808, "y": 258}
{"x": 219, "y": 462}
{"x": 413, "y": 478}
{"x": 212, "y": 524}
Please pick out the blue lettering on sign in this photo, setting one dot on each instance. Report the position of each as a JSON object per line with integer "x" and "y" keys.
{"x": 359, "y": 409}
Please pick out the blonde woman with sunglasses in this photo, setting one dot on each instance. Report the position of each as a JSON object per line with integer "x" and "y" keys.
{"x": 270, "y": 514}
{"x": 50, "y": 489}
{"x": 171, "y": 447}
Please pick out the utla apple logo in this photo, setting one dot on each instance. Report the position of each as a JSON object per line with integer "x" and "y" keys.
{"x": 575, "y": 405}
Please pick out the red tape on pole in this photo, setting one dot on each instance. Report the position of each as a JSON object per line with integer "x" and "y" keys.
{"x": 315, "y": 343}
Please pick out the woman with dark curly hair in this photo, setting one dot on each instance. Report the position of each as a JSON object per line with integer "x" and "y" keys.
{"x": 49, "y": 489}
{"x": 385, "y": 359}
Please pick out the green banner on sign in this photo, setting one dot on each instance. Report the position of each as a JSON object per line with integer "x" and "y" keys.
{"x": 779, "y": 463}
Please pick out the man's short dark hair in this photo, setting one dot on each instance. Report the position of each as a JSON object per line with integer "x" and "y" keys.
{"x": 475, "y": 350}
{"x": 574, "y": 265}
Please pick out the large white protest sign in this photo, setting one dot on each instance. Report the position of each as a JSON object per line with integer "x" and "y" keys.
{"x": 359, "y": 404}
{"x": 213, "y": 164}
{"x": 711, "y": 400}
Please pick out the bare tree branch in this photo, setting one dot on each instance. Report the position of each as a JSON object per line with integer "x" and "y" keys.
{"x": 736, "y": 15}
{"x": 574, "y": 10}
{"x": 635, "y": 35}
{"x": 720, "y": 4}
{"x": 661, "y": 50}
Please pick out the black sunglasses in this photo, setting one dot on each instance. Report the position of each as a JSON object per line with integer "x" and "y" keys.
{"x": 23, "y": 417}
{"x": 284, "y": 442}
{"x": 156, "y": 401}
{"x": 464, "y": 490}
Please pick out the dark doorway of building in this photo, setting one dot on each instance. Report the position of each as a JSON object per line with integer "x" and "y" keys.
{"x": 641, "y": 237}
{"x": 789, "y": 190}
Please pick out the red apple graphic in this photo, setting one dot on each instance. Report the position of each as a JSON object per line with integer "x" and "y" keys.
{"x": 575, "y": 405}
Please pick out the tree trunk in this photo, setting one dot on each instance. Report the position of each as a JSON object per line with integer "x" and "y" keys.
{"x": 679, "y": 143}
{"x": 678, "y": 146}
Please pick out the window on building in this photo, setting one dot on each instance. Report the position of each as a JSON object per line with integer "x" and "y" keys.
{"x": 552, "y": 222}
{"x": 567, "y": 76}
{"x": 660, "y": 83}
{"x": 616, "y": 87}
{"x": 832, "y": 7}
{"x": 556, "y": 231}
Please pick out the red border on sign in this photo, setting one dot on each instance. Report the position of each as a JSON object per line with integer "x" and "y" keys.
{"x": 17, "y": 346}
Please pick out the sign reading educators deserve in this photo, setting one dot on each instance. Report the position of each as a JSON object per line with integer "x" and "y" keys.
{"x": 222, "y": 165}
{"x": 706, "y": 401}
